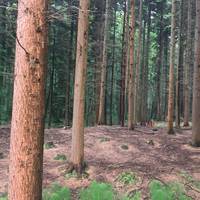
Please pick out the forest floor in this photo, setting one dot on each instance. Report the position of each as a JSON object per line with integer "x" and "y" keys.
{"x": 109, "y": 151}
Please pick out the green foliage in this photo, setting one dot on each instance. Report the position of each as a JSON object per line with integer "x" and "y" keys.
{"x": 104, "y": 139}
{"x": 73, "y": 174}
{"x": 61, "y": 157}
{"x": 97, "y": 191}
{"x": 127, "y": 178}
{"x": 56, "y": 192}
{"x": 49, "y": 145}
{"x": 136, "y": 196}
{"x": 3, "y": 198}
{"x": 124, "y": 147}
{"x": 189, "y": 179}
{"x": 172, "y": 191}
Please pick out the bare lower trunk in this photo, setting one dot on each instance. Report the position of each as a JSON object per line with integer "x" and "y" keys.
{"x": 196, "y": 91}
{"x": 171, "y": 73}
{"x": 137, "y": 71}
{"x": 187, "y": 67}
{"x": 101, "y": 117}
{"x": 131, "y": 69}
{"x": 77, "y": 157}
{"x": 27, "y": 128}
{"x": 179, "y": 69}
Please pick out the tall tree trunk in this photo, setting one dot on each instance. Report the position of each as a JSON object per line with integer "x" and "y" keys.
{"x": 179, "y": 68}
{"x": 187, "y": 67}
{"x": 51, "y": 85}
{"x": 113, "y": 66}
{"x": 131, "y": 69}
{"x": 146, "y": 80}
{"x": 77, "y": 157}
{"x": 171, "y": 72}
{"x": 196, "y": 84}
{"x": 123, "y": 65}
{"x": 67, "y": 119}
{"x": 138, "y": 62}
{"x": 101, "y": 117}
{"x": 27, "y": 127}
{"x": 159, "y": 62}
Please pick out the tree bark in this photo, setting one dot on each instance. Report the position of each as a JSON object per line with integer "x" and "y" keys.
{"x": 77, "y": 157}
{"x": 187, "y": 67}
{"x": 123, "y": 66}
{"x": 138, "y": 62}
{"x": 171, "y": 72}
{"x": 196, "y": 82}
{"x": 131, "y": 69}
{"x": 27, "y": 127}
{"x": 179, "y": 68}
{"x": 113, "y": 66}
{"x": 101, "y": 117}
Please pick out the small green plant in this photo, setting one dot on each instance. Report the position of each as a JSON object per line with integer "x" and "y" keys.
{"x": 3, "y": 196}
{"x": 73, "y": 174}
{"x": 97, "y": 191}
{"x": 56, "y": 192}
{"x": 124, "y": 147}
{"x": 49, "y": 145}
{"x": 61, "y": 157}
{"x": 172, "y": 191}
{"x": 104, "y": 139}
{"x": 127, "y": 178}
{"x": 189, "y": 179}
{"x": 136, "y": 196}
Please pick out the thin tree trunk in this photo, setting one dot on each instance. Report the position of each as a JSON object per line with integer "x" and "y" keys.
{"x": 187, "y": 67}
{"x": 77, "y": 157}
{"x": 69, "y": 67}
{"x": 51, "y": 89}
{"x": 113, "y": 66}
{"x": 123, "y": 66}
{"x": 171, "y": 72}
{"x": 131, "y": 69}
{"x": 159, "y": 63}
{"x": 101, "y": 117}
{"x": 179, "y": 68}
{"x": 196, "y": 84}
{"x": 137, "y": 71}
{"x": 27, "y": 127}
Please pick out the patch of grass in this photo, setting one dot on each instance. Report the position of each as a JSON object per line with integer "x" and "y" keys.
{"x": 127, "y": 178}
{"x": 189, "y": 179}
{"x": 61, "y": 157}
{"x": 56, "y": 192}
{"x": 73, "y": 174}
{"x": 49, "y": 145}
{"x": 172, "y": 191}
{"x": 104, "y": 139}
{"x": 124, "y": 147}
{"x": 97, "y": 191}
{"x": 136, "y": 196}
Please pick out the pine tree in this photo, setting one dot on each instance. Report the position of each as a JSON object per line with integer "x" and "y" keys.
{"x": 77, "y": 158}
{"x": 27, "y": 127}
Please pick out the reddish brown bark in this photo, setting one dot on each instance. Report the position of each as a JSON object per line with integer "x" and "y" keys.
{"x": 131, "y": 69}
{"x": 77, "y": 157}
{"x": 27, "y": 128}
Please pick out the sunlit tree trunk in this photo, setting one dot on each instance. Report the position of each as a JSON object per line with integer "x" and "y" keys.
{"x": 138, "y": 62}
{"x": 101, "y": 117}
{"x": 27, "y": 128}
{"x": 196, "y": 80}
{"x": 77, "y": 157}
{"x": 171, "y": 72}
{"x": 131, "y": 69}
{"x": 187, "y": 67}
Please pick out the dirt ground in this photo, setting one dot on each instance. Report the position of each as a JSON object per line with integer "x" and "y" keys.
{"x": 110, "y": 151}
